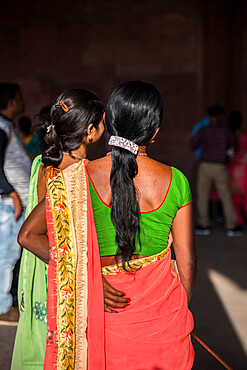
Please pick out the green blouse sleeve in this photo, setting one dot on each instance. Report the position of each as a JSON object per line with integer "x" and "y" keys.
{"x": 183, "y": 187}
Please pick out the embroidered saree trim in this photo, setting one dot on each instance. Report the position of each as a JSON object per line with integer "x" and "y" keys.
{"x": 77, "y": 195}
{"x": 135, "y": 264}
{"x": 65, "y": 252}
{"x": 83, "y": 347}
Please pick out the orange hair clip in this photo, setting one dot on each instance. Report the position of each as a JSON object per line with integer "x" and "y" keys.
{"x": 64, "y": 106}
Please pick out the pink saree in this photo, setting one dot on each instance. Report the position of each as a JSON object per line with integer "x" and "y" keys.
{"x": 152, "y": 333}
{"x": 238, "y": 168}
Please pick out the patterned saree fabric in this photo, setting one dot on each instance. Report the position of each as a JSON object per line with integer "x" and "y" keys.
{"x": 75, "y": 306}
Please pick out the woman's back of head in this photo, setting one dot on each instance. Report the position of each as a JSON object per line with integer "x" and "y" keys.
{"x": 134, "y": 112}
{"x": 66, "y": 125}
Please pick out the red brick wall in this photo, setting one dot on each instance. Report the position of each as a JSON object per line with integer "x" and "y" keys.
{"x": 181, "y": 46}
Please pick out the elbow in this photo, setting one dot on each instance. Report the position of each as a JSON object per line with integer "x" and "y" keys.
{"x": 23, "y": 237}
{"x": 192, "y": 263}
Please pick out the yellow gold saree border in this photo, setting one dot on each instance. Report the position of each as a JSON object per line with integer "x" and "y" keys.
{"x": 77, "y": 194}
{"x": 135, "y": 264}
{"x": 65, "y": 270}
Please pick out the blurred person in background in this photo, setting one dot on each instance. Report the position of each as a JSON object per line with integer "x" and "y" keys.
{"x": 205, "y": 121}
{"x": 25, "y": 129}
{"x": 34, "y": 146}
{"x": 202, "y": 123}
{"x": 31, "y": 134}
{"x": 217, "y": 143}
{"x": 238, "y": 168}
{"x": 15, "y": 166}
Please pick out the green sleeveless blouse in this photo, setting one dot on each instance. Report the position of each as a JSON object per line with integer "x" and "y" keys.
{"x": 155, "y": 224}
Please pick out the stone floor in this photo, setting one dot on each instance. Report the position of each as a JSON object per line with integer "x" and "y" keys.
{"x": 219, "y": 303}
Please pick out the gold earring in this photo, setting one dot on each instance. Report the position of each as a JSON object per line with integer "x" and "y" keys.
{"x": 151, "y": 141}
{"x": 90, "y": 137}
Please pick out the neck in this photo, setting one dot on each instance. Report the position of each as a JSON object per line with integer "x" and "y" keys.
{"x": 138, "y": 154}
{"x": 142, "y": 149}
{"x": 80, "y": 152}
{"x": 77, "y": 154}
{"x": 68, "y": 160}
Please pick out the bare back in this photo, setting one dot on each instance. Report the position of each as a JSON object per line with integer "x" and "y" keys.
{"x": 151, "y": 182}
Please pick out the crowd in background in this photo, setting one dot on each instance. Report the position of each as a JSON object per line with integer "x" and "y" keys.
{"x": 221, "y": 157}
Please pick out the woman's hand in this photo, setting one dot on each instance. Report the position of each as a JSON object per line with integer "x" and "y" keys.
{"x": 113, "y": 297}
{"x": 17, "y": 205}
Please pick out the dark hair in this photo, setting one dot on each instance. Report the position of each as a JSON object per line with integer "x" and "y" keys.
{"x": 235, "y": 121}
{"x": 69, "y": 127}
{"x": 25, "y": 125}
{"x": 7, "y": 92}
{"x": 134, "y": 111}
{"x": 215, "y": 110}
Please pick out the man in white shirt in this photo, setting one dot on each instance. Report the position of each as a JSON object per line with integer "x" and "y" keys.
{"x": 15, "y": 167}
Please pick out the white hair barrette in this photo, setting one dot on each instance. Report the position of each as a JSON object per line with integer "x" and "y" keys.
{"x": 124, "y": 143}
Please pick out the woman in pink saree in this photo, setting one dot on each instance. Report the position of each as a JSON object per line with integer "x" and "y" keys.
{"x": 238, "y": 169}
{"x": 113, "y": 217}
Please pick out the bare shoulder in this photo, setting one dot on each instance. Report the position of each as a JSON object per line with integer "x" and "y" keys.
{"x": 154, "y": 170}
{"x": 99, "y": 169}
{"x": 152, "y": 182}
{"x": 162, "y": 168}
{"x": 93, "y": 166}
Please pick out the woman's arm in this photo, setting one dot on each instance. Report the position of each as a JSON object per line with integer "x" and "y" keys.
{"x": 33, "y": 237}
{"x": 184, "y": 247}
{"x": 33, "y": 234}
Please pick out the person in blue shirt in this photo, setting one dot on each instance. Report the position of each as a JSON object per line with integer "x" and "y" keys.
{"x": 202, "y": 123}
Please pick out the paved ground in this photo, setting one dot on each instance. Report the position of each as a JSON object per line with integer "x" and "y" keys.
{"x": 219, "y": 303}
{"x": 7, "y": 335}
